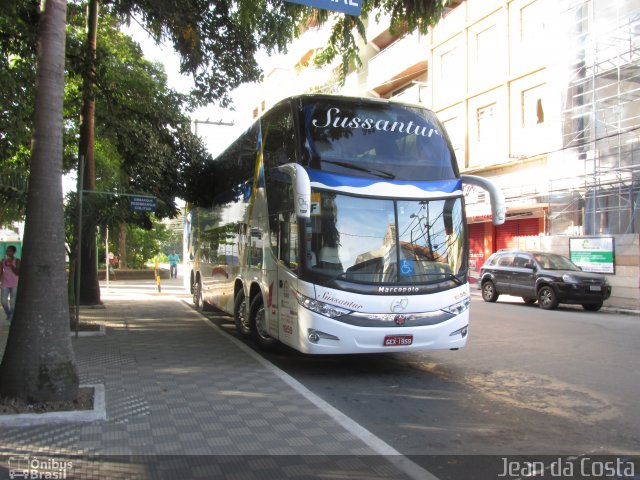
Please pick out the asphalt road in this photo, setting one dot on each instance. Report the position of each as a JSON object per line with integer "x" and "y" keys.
{"x": 529, "y": 382}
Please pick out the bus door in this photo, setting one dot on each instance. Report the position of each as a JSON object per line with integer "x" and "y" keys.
{"x": 283, "y": 282}
{"x": 287, "y": 278}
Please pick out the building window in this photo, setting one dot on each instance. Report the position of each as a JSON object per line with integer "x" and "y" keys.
{"x": 452, "y": 127}
{"x": 532, "y": 106}
{"x": 531, "y": 23}
{"x": 486, "y": 43}
{"x": 486, "y": 123}
{"x": 448, "y": 64}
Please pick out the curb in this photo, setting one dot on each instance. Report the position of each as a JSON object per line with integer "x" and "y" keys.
{"x": 99, "y": 412}
{"x": 90, "y": 333}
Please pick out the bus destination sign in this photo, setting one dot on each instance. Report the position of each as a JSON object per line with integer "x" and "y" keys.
{"x": 350, "y": 7}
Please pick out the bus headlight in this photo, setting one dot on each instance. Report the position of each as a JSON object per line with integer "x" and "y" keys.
{"x": 322, "y": 308}
{"x": 458, "y": 308}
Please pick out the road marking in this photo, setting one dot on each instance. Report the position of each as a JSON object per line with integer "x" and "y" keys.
{"x": 402, "y": 463}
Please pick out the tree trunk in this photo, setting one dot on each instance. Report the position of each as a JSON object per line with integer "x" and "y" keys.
{"x": 38, "y": 363}
{"x": 89, "y": 285}
{"x": 122, "y": 245}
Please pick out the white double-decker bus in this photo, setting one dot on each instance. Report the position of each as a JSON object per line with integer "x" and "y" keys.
{"x": 337, "y": 225}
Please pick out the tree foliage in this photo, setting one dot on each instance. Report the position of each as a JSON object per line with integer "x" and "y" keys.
{"x": 143, "y": 134}
{"x": 218, "y": 39}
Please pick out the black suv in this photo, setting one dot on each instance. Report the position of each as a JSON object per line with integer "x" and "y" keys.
{"x": 546, "y": 277}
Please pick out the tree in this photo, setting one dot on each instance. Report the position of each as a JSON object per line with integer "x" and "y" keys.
{"x": 38, "y": 363}
{"x": 89, "y": 286}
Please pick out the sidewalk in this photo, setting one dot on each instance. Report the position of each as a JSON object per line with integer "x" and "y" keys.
{"x": 185, "y": 400}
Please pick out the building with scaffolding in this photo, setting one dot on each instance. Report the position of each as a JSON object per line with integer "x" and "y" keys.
{"x": 541, "y": 96}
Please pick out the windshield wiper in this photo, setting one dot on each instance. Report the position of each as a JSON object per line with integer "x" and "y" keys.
{"x": 372, "y": 171}
{"x": 450, "y": 276}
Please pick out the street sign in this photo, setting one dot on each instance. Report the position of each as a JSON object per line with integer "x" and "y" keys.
{"x": 350, "y": 7}
{"x": 142, "y": 204}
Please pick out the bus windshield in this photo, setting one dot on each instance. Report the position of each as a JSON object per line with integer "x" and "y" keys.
{"x": 385, "y": 241}
{"x": 376, "y": 140}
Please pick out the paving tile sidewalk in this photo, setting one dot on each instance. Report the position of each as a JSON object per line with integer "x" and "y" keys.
{"x": 184, "y": 400}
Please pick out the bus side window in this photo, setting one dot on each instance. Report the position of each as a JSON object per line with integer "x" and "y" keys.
{"x": 279, "y": 138}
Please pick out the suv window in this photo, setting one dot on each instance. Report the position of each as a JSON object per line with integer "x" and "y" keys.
{"x": 521, "y": 260}
{"x": 491, "y": 261}
{"x": 505, "y": 261}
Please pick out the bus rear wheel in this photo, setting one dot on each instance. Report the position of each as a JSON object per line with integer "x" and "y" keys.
{"x": 198, "y": 297}
{"x": 258, "y": 324}
{"x": 196, "y": 289}
{"x": 240, "y": 315}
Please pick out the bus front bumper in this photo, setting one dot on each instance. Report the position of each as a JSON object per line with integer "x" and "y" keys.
{"x": 322, "y": 335}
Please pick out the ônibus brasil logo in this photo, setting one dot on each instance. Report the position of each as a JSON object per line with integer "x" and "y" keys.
{"x": 25, "y": 466}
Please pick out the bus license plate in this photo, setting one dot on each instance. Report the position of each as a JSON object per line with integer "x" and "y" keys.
{"x": 398, "y": 340}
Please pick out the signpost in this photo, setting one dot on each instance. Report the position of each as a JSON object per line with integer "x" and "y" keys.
{"x": 140, "y": 203}
{"x": 350, "y": 7}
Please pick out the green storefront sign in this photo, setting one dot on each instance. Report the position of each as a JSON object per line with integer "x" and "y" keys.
{"x": 593, "y": 254}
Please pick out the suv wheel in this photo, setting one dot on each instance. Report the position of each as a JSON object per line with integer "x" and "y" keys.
{"x": 547, "y": 298}
{"x": 489, "y": 293}
{"x": 592, "y": 307}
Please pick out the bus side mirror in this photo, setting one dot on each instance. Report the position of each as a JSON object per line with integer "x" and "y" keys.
{"x": 498, "y": 208}
{"x": 301, "y": 188}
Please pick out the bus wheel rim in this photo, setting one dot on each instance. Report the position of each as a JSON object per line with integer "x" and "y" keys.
{"x": 260, "y": 328}
{"x": 242, "y": 315}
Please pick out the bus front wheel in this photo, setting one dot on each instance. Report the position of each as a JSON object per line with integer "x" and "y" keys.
{"x": 258, "y": 324}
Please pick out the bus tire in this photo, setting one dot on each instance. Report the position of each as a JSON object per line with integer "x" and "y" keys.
{"x": 257, "y": 319}
{"x": 241, "y": 315}
{"x": 198, "y": 297}
{"x": 195, "y": 290}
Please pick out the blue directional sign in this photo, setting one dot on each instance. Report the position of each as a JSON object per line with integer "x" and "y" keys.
{"x": 142, "y": 204}
{"x": 350, "y": 7}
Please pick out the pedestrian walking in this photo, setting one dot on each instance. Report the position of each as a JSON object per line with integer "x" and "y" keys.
{"x": 9, "y": 275}
{"x": 113, "y": 263}
{"x": 173, "y": 265}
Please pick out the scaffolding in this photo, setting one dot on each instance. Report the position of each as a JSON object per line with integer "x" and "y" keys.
{"x": 600, "y": 121}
